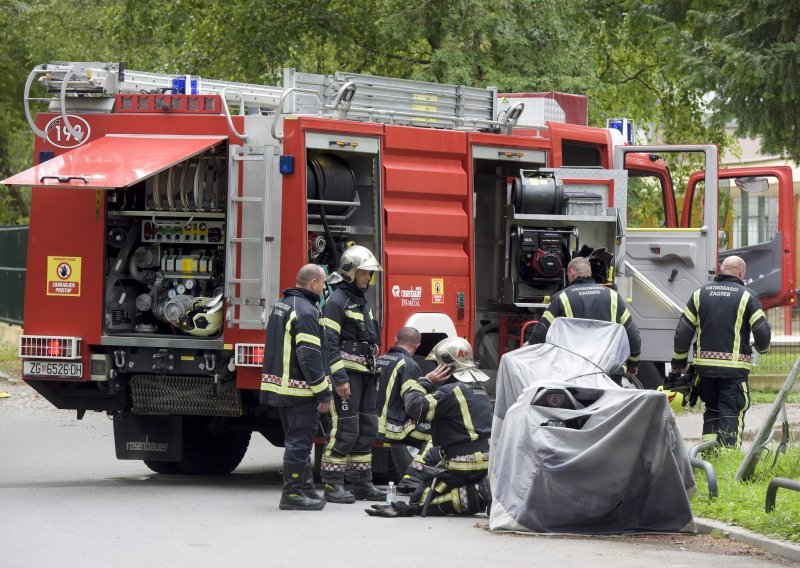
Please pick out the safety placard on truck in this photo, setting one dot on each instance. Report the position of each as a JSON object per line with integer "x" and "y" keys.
{"x": 63, "y": 276}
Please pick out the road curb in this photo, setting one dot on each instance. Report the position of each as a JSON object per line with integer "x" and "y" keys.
{"x": 780, "y": 548}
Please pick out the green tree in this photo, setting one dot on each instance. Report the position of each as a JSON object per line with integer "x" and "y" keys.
{"x": 747, "y": 54}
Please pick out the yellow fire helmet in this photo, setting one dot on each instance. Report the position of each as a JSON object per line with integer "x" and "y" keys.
{"x": 677, "y": 399}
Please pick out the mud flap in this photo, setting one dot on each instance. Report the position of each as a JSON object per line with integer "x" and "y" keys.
{"x": 143, "y": 437}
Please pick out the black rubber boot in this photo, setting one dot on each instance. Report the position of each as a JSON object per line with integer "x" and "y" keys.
{"x": 293, "y": 498}
{"x": 308, "y": 484}
{"x": 365, "y": 491}
{"x": 485, "y": 493}
{"x": 335, "y": 493}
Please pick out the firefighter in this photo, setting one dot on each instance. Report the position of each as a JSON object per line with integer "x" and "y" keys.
{"x": 352, "y": 337}
{"x": 398, "y": 372}
{"x": 295, "y": 380}
{"x": 460, "y": 413}
{"x": 722, "y": 315}
{"x": 584, "y": 298}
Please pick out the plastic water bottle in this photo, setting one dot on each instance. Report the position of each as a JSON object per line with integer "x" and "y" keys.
{"x": 391, "y": 493}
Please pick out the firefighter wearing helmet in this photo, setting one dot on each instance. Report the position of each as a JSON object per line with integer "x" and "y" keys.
{"x": 352, "y": 337}
{"x": 460, "y": 413}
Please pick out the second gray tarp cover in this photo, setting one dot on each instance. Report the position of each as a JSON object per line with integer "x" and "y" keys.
{"x": 616, "y": 464}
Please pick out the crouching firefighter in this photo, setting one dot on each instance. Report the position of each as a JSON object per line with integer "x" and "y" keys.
{"x": 295, "y": 380}
{"x": 399, "y": 371}
{"x": 352, "y": 337}
{"x": 460, "y": 413}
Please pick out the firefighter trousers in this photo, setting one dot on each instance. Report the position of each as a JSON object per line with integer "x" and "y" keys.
{"x": 456, "y": 490}
{"x": 354, "y": 428}
{"x": 726, "y": 399}
{"x": 300, "y": 424}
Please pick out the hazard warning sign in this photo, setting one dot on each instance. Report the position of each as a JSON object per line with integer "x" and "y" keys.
{"x": 437, "y": 290}
{"x": 63, "y": 276}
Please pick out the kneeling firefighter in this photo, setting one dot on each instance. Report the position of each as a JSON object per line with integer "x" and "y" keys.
{"x": 352, "y": 338}
{"x": 460, "y": 413}
{"x": 399, "y": 372}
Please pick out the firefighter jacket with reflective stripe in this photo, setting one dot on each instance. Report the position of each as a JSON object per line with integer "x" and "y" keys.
{"x": 586, "y": 299}
{"x": 398, "y": 372}
{"x": 295, "y": 369}
{"x": 460, "y": 414}
{"x": 721, "y": 315}
{"x": 351, "y": 333}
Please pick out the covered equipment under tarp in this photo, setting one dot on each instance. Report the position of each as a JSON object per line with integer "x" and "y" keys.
{"x": 572, "y": 452}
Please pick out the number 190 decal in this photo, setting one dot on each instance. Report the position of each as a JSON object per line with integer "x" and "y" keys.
{"x": 60, "y": 137}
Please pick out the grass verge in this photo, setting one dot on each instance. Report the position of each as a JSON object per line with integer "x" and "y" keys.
{"x": 742, "y": 504}
{"x": 10, "y": 364}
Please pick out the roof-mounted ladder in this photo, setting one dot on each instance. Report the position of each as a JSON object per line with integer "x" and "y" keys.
{"x": 341, "y": 95}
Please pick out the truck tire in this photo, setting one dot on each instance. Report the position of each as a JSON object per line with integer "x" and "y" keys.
{"x": 208, "y": 453}
{"x": 402, "y": 456}
{"x": 162, "y": 467}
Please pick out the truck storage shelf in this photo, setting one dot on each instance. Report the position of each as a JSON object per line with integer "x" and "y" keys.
{"x": 171, "y": 214}
{"x": 151, "y": 340}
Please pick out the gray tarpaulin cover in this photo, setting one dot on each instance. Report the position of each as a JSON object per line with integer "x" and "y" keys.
{"x": 625, "y": 470}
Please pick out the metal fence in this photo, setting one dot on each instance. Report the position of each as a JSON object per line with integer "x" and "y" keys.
{"x": 13, "y": 256}
{"x": 785, "y": 347}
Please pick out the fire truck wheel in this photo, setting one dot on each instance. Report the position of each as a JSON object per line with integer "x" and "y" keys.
{"x": 162, "y": 467}
{"x": 208, "y": 453}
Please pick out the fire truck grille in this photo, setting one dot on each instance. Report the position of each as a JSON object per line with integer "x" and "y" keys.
{"x": 192, "y": 104}
{"x": 182, "y": 394}
{"x": 126, "y": 103}
{"x": 208, "y": 104}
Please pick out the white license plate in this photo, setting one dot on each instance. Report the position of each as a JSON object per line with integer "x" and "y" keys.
{"x": 58, "y": 369}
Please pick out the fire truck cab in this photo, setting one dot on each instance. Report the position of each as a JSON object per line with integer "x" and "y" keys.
{"x": 163, "y": 228}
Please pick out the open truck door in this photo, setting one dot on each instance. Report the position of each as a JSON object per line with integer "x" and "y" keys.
{"x": 663, "y": 265}
{"x": 756, "y": 221}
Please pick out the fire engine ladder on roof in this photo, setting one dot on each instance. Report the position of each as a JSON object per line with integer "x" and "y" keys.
{"x": 249, "y": 238}
{"x": 341, "y": 95}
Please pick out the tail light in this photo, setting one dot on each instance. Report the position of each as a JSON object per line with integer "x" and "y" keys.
{"x": 49, "y": 347}
{"x": 249, "y": 355}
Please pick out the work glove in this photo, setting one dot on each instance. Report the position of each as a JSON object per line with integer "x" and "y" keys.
{"x": 399, "y": 509}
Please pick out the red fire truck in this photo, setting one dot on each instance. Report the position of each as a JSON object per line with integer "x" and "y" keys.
{"x": 163, "y": 228}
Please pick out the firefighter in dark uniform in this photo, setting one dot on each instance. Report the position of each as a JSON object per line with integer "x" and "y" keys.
{"x": 460, "y": 413}
{"x": 722, "y": 315}
{"x": 399, "y": 371}
{"x": 295, "y": 379}
{"x": 352, "y": 337}
{"x": 584, "y": 298}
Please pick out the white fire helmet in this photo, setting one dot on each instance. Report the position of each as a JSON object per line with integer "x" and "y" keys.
{"x": 456, "y": 353}
{"x": 354, "y": 258}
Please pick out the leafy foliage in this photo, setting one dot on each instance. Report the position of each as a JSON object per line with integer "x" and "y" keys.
{"x": 746, "y": 54}
{"x": 619, "y": 52}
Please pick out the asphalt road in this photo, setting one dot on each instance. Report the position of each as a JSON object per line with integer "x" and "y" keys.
{"x": 67, "y": 501}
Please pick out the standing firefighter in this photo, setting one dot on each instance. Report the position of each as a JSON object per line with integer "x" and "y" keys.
{"x": 398, "y": 373}
{"x": 584, "y": 298}
{"x": 460, "y": 414}
{"x": 295, "y": 380}
{"x": 722, "y": 315}
{"x": 351, "y": 340}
